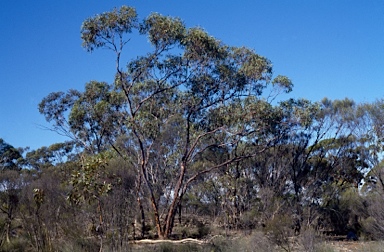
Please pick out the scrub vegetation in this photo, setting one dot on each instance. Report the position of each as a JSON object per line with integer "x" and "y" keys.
{"x": 192, "y": 148}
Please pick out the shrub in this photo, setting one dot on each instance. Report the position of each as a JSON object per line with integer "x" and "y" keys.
{"x": 279, "y": 229}
{"x": 308, "y": 240}
{"x": 18, "y": 244}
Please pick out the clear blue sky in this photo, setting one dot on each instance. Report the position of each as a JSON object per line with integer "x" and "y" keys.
{"x": 329, "y": 48}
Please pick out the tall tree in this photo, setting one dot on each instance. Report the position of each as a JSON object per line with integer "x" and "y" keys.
{"x": 189, "y": 95}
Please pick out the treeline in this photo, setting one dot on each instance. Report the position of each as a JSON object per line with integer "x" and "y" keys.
{"x": 191, "y": 139}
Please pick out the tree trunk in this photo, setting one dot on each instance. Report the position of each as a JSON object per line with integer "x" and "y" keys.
{"x": 142, "y": 220}
{"x": 7, "y": 231}
{"x": 172, "y": 208}
{"x": 180, "y": 212}
{"x": 160, "y": 231}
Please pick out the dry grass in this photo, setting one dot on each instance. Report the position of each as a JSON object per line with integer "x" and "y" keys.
{"x": 344, "y": 246}
{"x": 257, "y": 242}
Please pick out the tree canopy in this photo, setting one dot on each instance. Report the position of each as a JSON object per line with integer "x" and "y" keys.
{"x": 9, "y": 156}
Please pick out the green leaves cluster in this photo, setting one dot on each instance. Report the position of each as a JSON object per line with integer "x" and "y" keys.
{"x": 90, "y": 181}
{"x": 163, "y": 31}
{"x": 9, "y": 156}
{"x": 101, "y": 30}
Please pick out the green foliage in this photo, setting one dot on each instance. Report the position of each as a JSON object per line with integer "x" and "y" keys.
{"x": 101, "y": 30}
{"x": 284, "y": 82}
{"x": 54, "y": 106}
{"x": 89, "y": 181}
{"x": 9, "y": 156}
{"x": 46, "y": 157}
{"x": 94, "y": 116}
{"x": 163, "y": 31}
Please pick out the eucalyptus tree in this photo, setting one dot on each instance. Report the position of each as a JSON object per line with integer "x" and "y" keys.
{"x": 372, "y": 114}
{"x": 188, "y": 95}
{"x": 320, "y": 150}
{"x": 9, "y": 156}
{"x": 335, "y": 163}
{"x": 10, "y": 183}
{"x": 45, "y": 157}
{"x": 373, "y": 187}
{"x": 346, "y": 147}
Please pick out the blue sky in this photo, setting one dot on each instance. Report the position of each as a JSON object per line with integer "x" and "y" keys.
{"x": 329, "y": 48}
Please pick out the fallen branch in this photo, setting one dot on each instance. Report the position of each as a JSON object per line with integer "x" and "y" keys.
{"x": 187, "y": 240}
